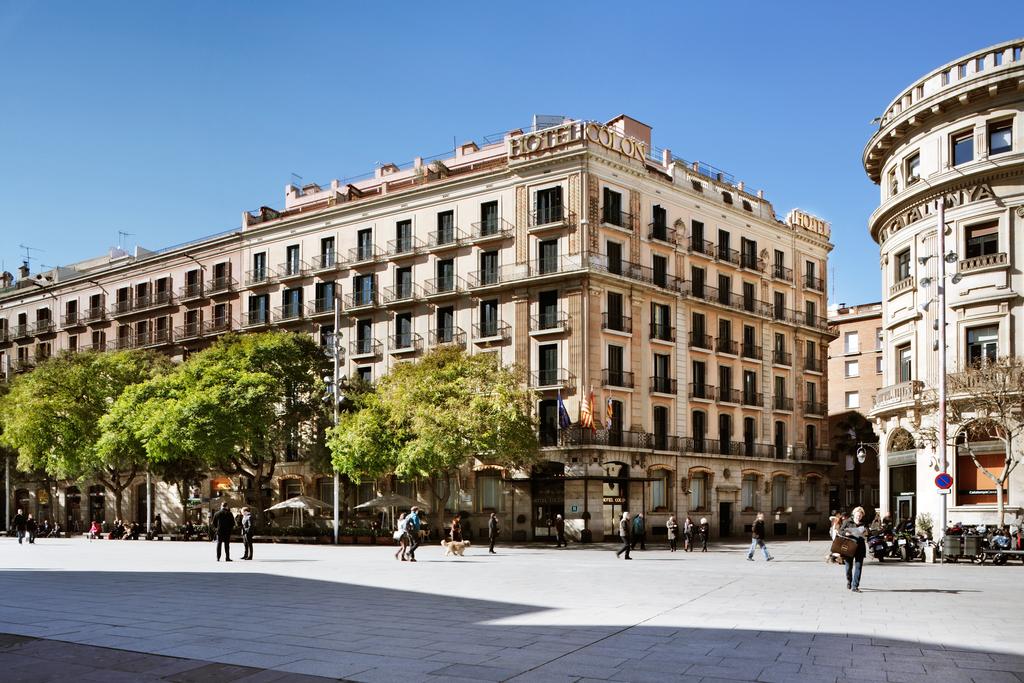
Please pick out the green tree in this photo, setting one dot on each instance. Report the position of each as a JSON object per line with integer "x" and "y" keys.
{"x": 52, "y": 416}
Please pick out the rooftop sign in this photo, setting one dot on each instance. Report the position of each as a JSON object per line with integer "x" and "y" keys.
{"x": 802, "y": 219}
{"x": 557, "y": 137}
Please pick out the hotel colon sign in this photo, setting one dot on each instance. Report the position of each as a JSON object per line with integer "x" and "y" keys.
{"x": 664, "y": 288}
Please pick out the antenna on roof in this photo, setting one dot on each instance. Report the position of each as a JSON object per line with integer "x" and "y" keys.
{"x": 28, "y": 252}
{"x": 296, "y": 180}
{"x": 121, "y": 234}
{"x": 833, "y": 279}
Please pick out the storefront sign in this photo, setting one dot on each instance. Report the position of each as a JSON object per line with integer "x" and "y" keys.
{"x": 979, "y": 492}
{"x": 574, "y": 508}
{"x": 614, "y": 500}
{"x": 551, "y": 139}
{"x": 953, "y": 199}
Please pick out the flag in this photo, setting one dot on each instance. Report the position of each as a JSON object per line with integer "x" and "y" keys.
{"x": 564, "y": 421}
{"x": 609, "y": 411}
{"x": 587, "y": 411}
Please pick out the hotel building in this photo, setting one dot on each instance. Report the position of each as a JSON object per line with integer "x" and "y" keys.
{"x": 575, "y": 250}
{"x": 954, "y": 135}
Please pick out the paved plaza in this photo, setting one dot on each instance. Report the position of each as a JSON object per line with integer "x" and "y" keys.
{"x": 526, "y": 614}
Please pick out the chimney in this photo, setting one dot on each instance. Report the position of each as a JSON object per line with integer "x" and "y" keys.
{"x": 23, "y": 270}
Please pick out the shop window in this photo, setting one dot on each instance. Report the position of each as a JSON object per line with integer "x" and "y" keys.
{"x": 962, "y": 147}
{"x": 749, "y": 493}
{"x": 1000, "y": 137}
{"x": 981, "y": 239}
{"x": 488, "y": 490}
{"x": 291, "y": 488}
{"x": 661, "y": 483}
{"x": 982, "y": 344}
{"x": 699, "y": 491}
{"x": 779, "y": 492}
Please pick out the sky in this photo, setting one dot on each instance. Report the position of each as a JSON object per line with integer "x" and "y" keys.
{"x": 167, "y": 120}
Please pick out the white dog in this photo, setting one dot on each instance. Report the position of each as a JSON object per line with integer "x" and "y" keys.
{"x": 454, "y": 547}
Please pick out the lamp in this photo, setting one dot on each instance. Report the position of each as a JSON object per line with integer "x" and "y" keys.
{"x": 925, "y": 282}
{"x": 861, "y": 455}
{"x": 952, "y": 257}
{"x": 923, "y": 306}
{"x": 957, "y": 277}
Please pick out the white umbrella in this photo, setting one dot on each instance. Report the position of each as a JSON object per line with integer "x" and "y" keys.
{"x": 390, "y": 501}
{"x": 299, "y": 504}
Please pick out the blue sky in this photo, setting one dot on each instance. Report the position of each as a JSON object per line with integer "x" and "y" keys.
{"x": 167, "y": 120}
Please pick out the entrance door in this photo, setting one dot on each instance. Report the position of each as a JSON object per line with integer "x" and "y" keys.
{"x": 616, "y": 496}
{"x": 725, "y": 517}
{"x": 904, "y": 508}
{"x": 140, "y": 504}
{"x": 547, "y": 484}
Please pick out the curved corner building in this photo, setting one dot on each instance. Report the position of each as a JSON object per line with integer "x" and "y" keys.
{"x": 956, "y": 135}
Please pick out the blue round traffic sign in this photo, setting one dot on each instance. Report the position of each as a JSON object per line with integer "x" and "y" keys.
{"x": 944, "y": 480}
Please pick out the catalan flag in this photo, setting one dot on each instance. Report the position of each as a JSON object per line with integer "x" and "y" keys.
{"x": 587, "y": 411}
{"x": 564, "y": 421}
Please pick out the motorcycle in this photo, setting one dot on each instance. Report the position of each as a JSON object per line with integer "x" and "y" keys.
{"x": 883, "y": 545}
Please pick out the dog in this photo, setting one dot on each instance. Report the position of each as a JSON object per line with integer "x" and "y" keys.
{"x": 454, "y": 547}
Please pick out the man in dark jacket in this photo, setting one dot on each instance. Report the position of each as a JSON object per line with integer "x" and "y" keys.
{"x": 31, "y": 527}
{"x": 624, "y": 531}
{"x": 248, "y": 531}
{"x": 20, "y": 523}
{"x": 560, "y": 532}
{"x": 639, "y": 532}
{"x": 223, "y": 524}
{"x": 757, "y": 534}
{"x": 492, "y": 531}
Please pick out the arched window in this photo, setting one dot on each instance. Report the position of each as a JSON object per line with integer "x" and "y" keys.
{"x": 779, "y": 498}
{"x": 749, "y": 492}
{"x": 488, "y": 490}
{"x": 661, "y": 489}
{"x": 813, "y": 493}
{"x": 699, "y": 491}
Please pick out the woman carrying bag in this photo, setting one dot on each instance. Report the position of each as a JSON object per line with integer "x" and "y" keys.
{"x": 851, "y": 546}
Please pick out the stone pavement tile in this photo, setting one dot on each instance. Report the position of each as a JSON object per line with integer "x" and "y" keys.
{"x": 111, "y": 676}
{"x": 10, "y": 640}
{"x": 212, "y": 673}
{"x": 743, "y": 670}
{"x": 257, "y": 660}
{"x": 989, "y": 665}
{"x": 477, "y": 672}
{"x": 335, "y": 669}
{"x": 272, "y": 676}
{"x": 980, "y": 676}
{"x": 537, "y": 677}
{"x": 575, "y": 669}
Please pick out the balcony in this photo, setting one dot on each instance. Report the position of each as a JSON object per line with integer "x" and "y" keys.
{"x": 402, "y": 294}
{"x": 360, "y": 299}
{"x": 490, "y": 277}
{"x": 616, "y": 218}
{"x": 221, "y": 285}
{"x": 550, "y": 218}
{"x": 781, "y": 272}
{"x": 447, "y": 336}
{"x": 155, "y": 300}
{"x": 727, "y": 255}
{"x": 293, "y": 270}
{"x": 969, "y": 265}
{"x": 20, "y": 332}
{"x": 5, "y": 335}
{"x": 552, "y": 378}
{"x": 260, "y": 277}
{"x": 663, "y": 385}
{"x": 291, "y": 312}
{"x": 727, "y": 395}
{"x": 208, "y": 328}
{"x": 121, "y": 308}
{"x": 752, "y": 399}
{"x": 616, "y": 323}
{"x": 190, "y": 330}
{"x": 725, "y": 345}
{"x": 662, "y": 332}
{"x": 749, "y": 449}
{"x": 904, "y": 285}
{"x": 782, "y": 403}
{"x": 42, "y": 327}
{"x": 780, "y": 357}
{"x": 814, "y": 408}
{"x": 703, "y": 392}
{"x": 578, "y": 436}
{"x": 659, "y": 232}
{"x": 191, "y": 292}
{"x": 816, "y": 284}
{"x": 443, "y": 286}
{"x": 702, "y": 246}
{"x": 407, "y": 342}
{"x": 325, "y": 261}
{"x": 493, "y": 331}
{"x": 161, "y": 337}
{"x": 700, "y": 341}
{"x": 217, "y": 326}
{"x": 364, "y": 255}
{"x": 707, "y": 446}
{"x": 616, "y": 378}
{"x": 95, "y": 314}
{"x": 554, "y": 322}
{"x": 320, "y": 307}
{"x": 71, "y": 320}
{"x": 440, "y": 240}
{"x": 899, "y": 393}
{"x": 752, "y": 262}
{"x": 256, "y": 318}
{"x": 485, "y": 231}
{"x": 364, "y": 348}
{"x": 703, "y": 292}
{"x": 750, "y": 351}
{"x": 404, "y": 247}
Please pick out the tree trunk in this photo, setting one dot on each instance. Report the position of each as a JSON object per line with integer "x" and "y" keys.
{"x": 1000, "y": 504}
{"x": 118, "y": 500}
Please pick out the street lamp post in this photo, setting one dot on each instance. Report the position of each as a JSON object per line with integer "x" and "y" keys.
{"x": 335, "y": 397}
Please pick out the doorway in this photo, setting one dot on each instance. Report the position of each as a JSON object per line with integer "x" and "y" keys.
{"x": 904, "y": 508}
{"x": 616, "y": 495}
{"x": 547, "y": 484}
{"x": 725, "y": 520}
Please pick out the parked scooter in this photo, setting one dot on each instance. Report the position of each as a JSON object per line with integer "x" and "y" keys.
{"x": 883, "y": 545}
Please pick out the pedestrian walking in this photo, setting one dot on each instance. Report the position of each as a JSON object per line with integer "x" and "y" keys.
{"x": 20, "y": 523}
{"x": 248, "y": 531}
{"x": 836, "y": 523}
{"x": 31, "y": 528}
{"x": 456, "y": 528}
{"x": 158, "y": 525}
{"x": 402, "y": 536}
{"x": 704, "y": 530}
{"x": 625, "y": 528}
{"x": 560, "y": 532}
{"x": 688, "y": 535}
{"x": 639, "y": 532}
{"x": 223, "y": 523}
{"x": 492, "y": 532}
{"x": 757, "y": 534}
{"x": 672, "y": 527}
{"x": 413, "y": 527}
{"x": 854, "y": 528}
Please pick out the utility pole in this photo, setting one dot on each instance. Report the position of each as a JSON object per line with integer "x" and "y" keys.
{"x": 149, "y": 506}
{"x": 942, "y": 350}
{"x": 335, "y": 398}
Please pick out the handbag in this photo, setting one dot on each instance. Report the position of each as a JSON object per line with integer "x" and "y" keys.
{"x": 846, "y": 547}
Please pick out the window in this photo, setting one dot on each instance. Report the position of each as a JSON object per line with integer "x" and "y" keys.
{"x": 813, "y": 489}
{"x": 878, "y": 365}
{"x": 904, "y": 371}
{"x": 893, "y": 184}
{"x": 946, "y": 75}
{"x": 445, "y": 324}
{"x": 979, "y": 64}
{"x": 365, "y": 373}
{"x": 488, "y": 218}
{"x": 488, "y": 490}
{"x": 549, "y": 206}
{"x": 724, "y": 289}
{"x": 661, "y": 481}
{"x": 325, "y": 489}
{"x": 446, "y": 227}
{"x": 749, "y": 387}
{"x": 779, "y": 309}
{"x": 614, "y": 252}
{"x": 699, "y": 426}
{"x": 811, "y": 312}
{"x": 853, "y": 399}
{"x": 548, "y": 364}
{"x": 697, "y": 236}
{"x": 698, "y": 375}
{"x": 547, "y": 252}
{"x": 998, "y": 58}
{"x": 612, "y": 211}
{"x": 615, "y": 364}
{"x": 616, "y": 321}
{"x": 913, "y": 168}
{"x": 659, "y": 268}
{"x": 327, "y": 252}
{"x": 724, "y": 433}
{"x": 488, "y": 267}
{"x": 780, "y": 440}
{"x": 445, "y": 275}
{"x": 403, "y": 236}
{"x": 879, "y": 338}
{"x": 748, "y": 253}
{"x": 403, "y": 330}
{"x": 661, "y": 428}
{"x": 364, "y": 244}
{"x": 981, "y": 239}
{"x": 291, "y": 264}
{"x": 852, "y": 368}
{"x": 661, "y": 322}
{"x": 902, "y": 265}
{"x": 982, "y": 344}
{"x": 489, "y": 318}
{"x": 779, "y": 483}
{"x": 963, "y": 147}
{"x": 698, "y": 491}
{"x": 1000, "y": 137}
{"x": 748, "y": 296}
{"x": 961, "y": 70}
{"x": 697, "y": 281}
{"x": 748, "y": 498}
